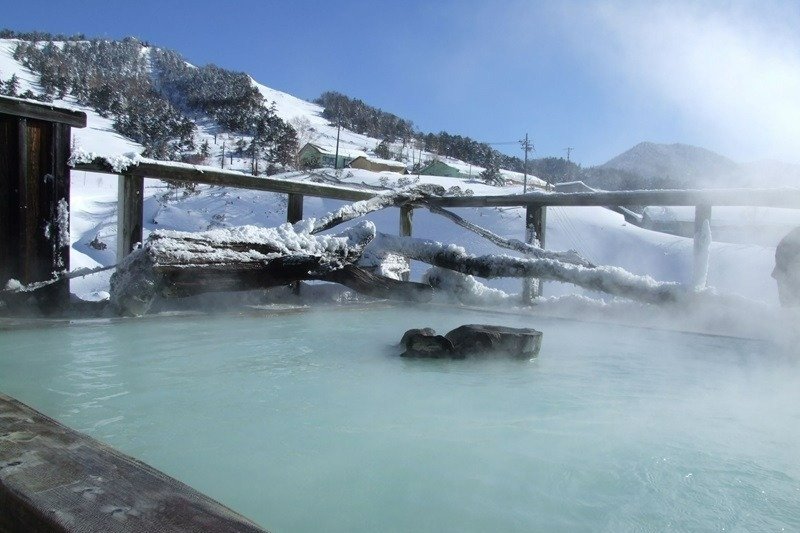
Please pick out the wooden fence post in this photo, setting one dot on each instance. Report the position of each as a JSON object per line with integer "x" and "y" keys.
{"x": 702, "y": 242}
{"x": 294, "y": 213}
{"x": 130, "y": 209}
{"x": 535, "y": 225}
{"x": 294, "y": 208}
{"x": 406, "y": 226}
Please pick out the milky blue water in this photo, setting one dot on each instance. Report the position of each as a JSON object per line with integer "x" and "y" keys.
{"x": 310, "y": 421}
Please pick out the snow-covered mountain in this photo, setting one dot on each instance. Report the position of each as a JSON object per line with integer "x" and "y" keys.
{"x": 676, "y": 162}
{"x": 651, "y": 164}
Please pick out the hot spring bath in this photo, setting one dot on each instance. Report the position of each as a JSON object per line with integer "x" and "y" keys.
{"x": 310, "y": 421}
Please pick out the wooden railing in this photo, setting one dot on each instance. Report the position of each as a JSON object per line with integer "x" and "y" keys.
{"x": 131, "y": 186}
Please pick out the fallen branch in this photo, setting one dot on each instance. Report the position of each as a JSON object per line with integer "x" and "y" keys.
{"x": 365, "y": 282}
{"x": 376, "y": 203}
{"x": 570, "y": 256}
{"x": 611, "y": 280}
{"x": 15, "y": 287}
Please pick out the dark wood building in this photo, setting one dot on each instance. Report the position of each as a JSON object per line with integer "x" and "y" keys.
{"x": 34, "y": 195}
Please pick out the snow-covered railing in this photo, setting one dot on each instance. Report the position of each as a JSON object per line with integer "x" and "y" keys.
{"x": 133, "y": 170}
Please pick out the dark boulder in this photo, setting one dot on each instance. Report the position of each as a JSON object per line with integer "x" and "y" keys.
{"x": 472, "y": 340}
{"x": 479, "y": 339}
{"x": 425, "y": 344}
{"x": 430, "y": 332}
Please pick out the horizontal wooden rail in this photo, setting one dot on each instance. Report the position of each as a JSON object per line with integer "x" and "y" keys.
{"x": 229, "y": 178}
{"x": 42, "y": 111}
{"x": 785, "y": 197}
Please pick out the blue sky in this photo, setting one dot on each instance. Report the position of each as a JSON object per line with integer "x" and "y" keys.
{"x": 595, "y": 76}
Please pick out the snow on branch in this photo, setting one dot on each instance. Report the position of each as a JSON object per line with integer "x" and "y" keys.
{"x": 608, "y": 279}
{"x": 376, "y": 203}
{"x": 570, "y": 256}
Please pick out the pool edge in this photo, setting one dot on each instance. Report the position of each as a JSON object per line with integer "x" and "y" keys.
{"x": 53, "y": 478}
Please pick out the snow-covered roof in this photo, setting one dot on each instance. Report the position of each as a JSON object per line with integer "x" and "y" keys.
{"x": 387, "y": 162}
{"x": 343, "y": 150}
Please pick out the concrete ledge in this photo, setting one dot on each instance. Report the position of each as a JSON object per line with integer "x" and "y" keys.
{"x": 55, "y": 479}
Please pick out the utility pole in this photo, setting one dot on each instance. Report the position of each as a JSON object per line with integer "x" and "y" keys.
{"x": 566, "y": 170}
{"x": 336, "y": 157}
{"x": 527, "y": 146}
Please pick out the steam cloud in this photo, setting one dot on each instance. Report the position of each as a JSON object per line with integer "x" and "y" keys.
{"x": 730, "y": 71}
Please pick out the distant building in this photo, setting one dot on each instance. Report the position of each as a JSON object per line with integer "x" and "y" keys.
{"x": 440, "y": 168}
{"x": 317, "y": 155}
{"x": 377, "y": 165}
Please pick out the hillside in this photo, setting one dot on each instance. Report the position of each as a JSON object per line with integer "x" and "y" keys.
{"x": 673, "y": 162}
{"x": 161, "y": 106}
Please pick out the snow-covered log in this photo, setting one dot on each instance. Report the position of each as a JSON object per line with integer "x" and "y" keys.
{"x": 570, "y": 256}
{"x": 174, "y": 264}
{"x": 376, "y": 203}
{"x": 611, "y": 280}
{"x": 177, "y": 264}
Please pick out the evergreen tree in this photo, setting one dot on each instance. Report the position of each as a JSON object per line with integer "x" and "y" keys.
{"x": 491, "y": 175}
{"x": 382, "y": 150}
{"x": 11, "y": 86}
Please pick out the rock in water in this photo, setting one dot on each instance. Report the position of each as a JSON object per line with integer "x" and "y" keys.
{"x": 416, "y": 331}
{"x": 477, "y": 339}
{"x": 425, "y": 343}
{"x": 472, "y": 340}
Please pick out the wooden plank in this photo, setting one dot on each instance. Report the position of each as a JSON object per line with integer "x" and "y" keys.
{"x": 406, "y": 229}
{"x": 55, "y": 479}
{"x": 41, "y": 111}
{"x": 54, "y": 208}
{"x": 535, "y": 225}
{"x": 229, "y": 178}
{"x": 702, "y": 214}
{"x": 27, "y": 208}
{"x": 9, "y": 197}
{"x": 783, "y": 197}
{"x": 294, "y": 208}
{"x": 130, "y": 211}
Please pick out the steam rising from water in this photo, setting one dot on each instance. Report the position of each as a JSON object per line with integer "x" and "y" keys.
{"x": 310, "y": 422}
{"x": 730, "y": 70}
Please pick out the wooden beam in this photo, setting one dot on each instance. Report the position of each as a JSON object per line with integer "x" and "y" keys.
{"x": 294, "y": 208}
{"x": 9, "y": 208}
{"x": 41, "y": 111}
{"x": 230, "y": 178}
{"x": 783, "y": 197}
{"x": 535, "y": 225}
{"x": 406, "y": 228}
{"x": 55, "y": 479}
{"x": 130, "y": 211}
{"x": 702, "y": 215}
